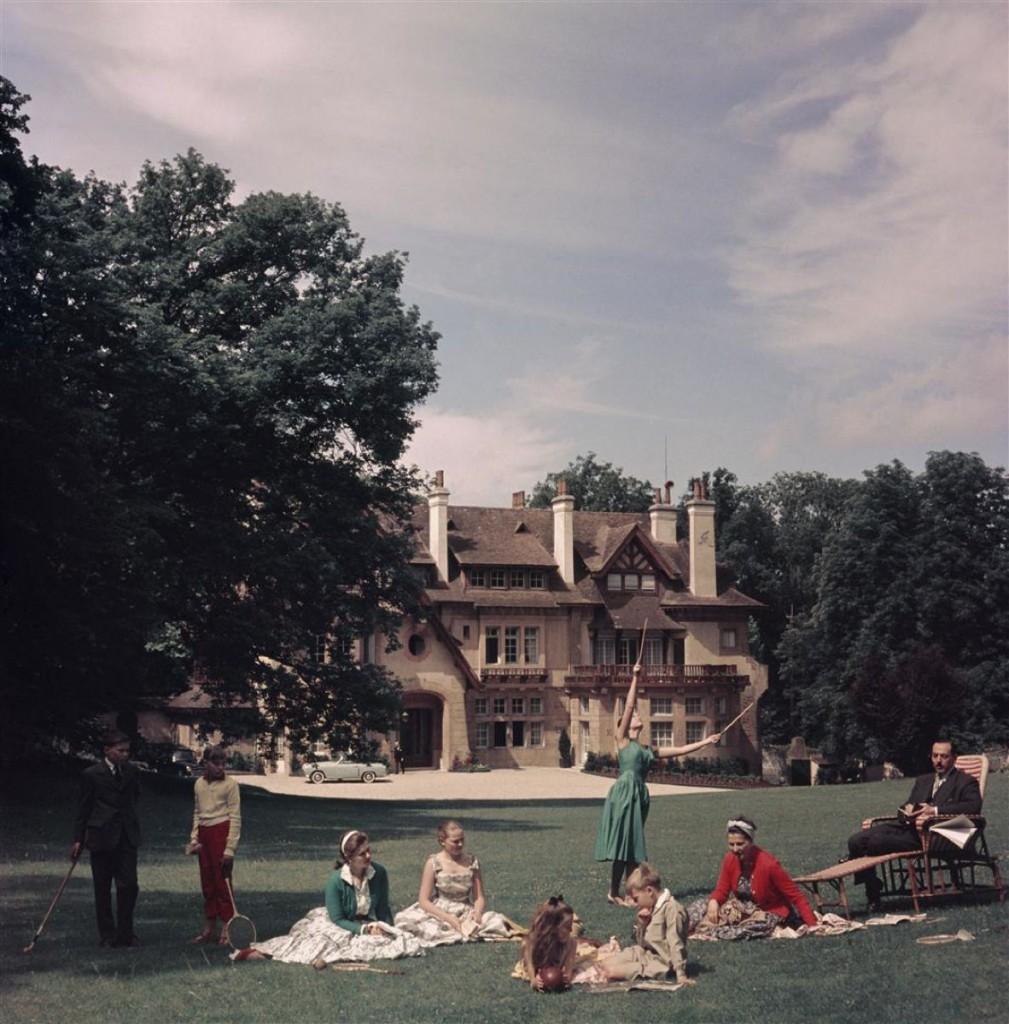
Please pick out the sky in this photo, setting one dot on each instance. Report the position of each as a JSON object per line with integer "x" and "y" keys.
{"x": 770, "y": 237}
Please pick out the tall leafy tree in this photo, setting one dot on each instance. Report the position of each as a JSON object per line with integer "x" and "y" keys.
{"x": 596, "y": 487}
{"x": 769, "y": 538}
{"x": 203, "y": 408}
{"x": 911, "y": 596}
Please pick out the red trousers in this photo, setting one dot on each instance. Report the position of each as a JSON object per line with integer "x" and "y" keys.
{"x": 216, "y": 900}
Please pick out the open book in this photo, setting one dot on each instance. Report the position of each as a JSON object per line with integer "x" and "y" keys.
{"x": 957, "y": 830}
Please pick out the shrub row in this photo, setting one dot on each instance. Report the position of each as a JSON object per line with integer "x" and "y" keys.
{"x": 731, "y": 773}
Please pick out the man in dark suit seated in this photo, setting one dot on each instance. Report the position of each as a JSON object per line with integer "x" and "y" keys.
{"x": 107, "y": 825}
{"x": 944, "y": 790}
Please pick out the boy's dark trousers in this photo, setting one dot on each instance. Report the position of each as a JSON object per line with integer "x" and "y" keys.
{"x": 119, "y": 864}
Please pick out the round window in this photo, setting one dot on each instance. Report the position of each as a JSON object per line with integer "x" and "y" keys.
{"x": 415, "y": 645}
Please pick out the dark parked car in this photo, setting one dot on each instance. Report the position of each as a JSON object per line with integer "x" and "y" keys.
{"x": 167, "y": 758}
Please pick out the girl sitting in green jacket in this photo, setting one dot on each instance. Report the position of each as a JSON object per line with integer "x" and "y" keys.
{"x": 355, "y": 923}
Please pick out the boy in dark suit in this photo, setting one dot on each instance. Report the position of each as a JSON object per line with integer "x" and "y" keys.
{"x": 107, "y": 825}
{"x": 944, "y": 790}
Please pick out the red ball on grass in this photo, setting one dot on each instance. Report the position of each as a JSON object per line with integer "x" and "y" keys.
{"x": 552, "y": 979}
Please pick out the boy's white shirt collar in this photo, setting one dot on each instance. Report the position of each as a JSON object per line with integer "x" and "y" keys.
{"x": 347, "y": 876}
{"x": 664, "y": 897}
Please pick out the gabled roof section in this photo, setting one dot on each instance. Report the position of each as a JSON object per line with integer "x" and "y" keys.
{"x": 636, "y": 532}
{"x": 632, "y": 611}
{"x": 524, "y": 537}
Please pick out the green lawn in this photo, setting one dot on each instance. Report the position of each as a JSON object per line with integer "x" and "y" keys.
{"x": 527, "y": 852}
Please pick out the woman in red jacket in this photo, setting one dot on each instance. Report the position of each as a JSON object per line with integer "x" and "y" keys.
{"x": 754, "y": 893}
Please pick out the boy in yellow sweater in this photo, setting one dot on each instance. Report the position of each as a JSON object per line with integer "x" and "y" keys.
{"x": 217, "y": 824}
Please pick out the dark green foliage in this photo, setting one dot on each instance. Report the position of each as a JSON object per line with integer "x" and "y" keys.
{"x": 596, "y": 487}
{"x": 769, "y": 540}
{"x": 564, "y": 749}
{"x": 887, "y": 602}
{"x": 203, "y": 405}
{"x": 909, "y": 633}
{"x": 607, "y": 764}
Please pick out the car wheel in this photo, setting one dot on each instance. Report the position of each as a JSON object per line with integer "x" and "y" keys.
{"x": 317, "y": 777}
{"x": 368, "y": 776}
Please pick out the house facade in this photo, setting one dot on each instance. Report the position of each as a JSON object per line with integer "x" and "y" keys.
{"x": 535, "y": 617}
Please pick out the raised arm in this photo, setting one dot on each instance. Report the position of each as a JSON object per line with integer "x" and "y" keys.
{"x": 690, "y": 747}
{"x": 632, "y": 699}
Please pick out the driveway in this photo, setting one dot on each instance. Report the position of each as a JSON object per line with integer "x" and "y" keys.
{"x": 526, "y": 784}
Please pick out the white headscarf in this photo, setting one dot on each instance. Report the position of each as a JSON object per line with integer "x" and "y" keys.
{"x": 736, "y": 825}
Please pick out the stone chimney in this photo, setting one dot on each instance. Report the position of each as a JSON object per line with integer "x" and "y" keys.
{"x": 662, "y": 515}
{"x": 437, "y": 504}
{"x": 701, "y": 520}
{"x": 518, "y": 499}
{"x": 564, "y": 532}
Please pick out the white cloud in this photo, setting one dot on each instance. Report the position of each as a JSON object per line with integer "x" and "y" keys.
{"x": 880, "y": 223}
{"x": 955, "y": 398}
{"x": 485, "y": 457}
{"x": 400, "y": 109}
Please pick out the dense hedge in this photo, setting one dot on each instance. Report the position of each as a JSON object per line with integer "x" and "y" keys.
{"x": 733, "y": 772}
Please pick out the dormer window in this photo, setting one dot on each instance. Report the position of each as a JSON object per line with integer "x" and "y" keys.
{"x": 477, "y": 578}
{"x": 517, "y": 578}
{"x": 631, "y": 581}
{"x": 537, "y": 579}
{"x": 498, "y": 579}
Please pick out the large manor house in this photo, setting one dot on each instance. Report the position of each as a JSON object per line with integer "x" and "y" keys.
{"x": 536, "y": 617}
{"x": 532, "y": 622}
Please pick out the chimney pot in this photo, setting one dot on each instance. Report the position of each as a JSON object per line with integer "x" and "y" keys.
{"x": 437, "y": 501}
{"x": 518, "y": 499}
{"x": 564, "y": 532}
{"x": 669, "y": 492}
{"x": 701, "y": 542}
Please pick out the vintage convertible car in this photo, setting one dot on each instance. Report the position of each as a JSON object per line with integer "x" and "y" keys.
{"x": 340, "y": 769}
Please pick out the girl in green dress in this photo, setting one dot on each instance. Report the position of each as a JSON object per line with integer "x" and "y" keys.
{"x": 621, "y": 836}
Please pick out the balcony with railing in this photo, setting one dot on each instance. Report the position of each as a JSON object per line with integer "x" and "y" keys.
{"x": 592, "y": 677}
{"x": 513, "y": 674}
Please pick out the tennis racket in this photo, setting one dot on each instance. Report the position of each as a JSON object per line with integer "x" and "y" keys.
{"x": 239, "y": 932}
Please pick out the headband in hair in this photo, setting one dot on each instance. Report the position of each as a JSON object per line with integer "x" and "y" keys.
{"x": 343, "y": 842}
{"x": 736, "y": 825}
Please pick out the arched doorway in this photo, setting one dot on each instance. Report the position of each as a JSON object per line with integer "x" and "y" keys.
{"x": 420, "y": 736}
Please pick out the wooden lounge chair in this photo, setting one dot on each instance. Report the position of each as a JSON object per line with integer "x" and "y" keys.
{"x": 920, "y": 874}
{"x": 900, "y": 865}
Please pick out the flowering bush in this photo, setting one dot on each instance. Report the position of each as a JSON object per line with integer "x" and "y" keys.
{"x": 470, "y": 764}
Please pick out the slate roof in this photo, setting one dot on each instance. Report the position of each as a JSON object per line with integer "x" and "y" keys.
{"x": 524, "y": 538}
{"x": 632, "y": 611}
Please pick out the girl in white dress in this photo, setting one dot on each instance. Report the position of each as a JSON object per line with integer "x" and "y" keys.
{"x": 451, "y": 906}
{"x": 355, "y": 923}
